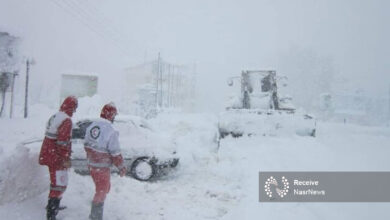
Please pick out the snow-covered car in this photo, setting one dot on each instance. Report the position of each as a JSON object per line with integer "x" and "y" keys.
{"x": 146, "y": 154}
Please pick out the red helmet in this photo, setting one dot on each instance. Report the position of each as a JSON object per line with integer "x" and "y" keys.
{"x": 109, "y": 112}
{"x": 69, "y": 105}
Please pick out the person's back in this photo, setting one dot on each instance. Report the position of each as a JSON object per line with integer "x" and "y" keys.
{"x": 49, "y": 154}
{"x": 101, "y": 143}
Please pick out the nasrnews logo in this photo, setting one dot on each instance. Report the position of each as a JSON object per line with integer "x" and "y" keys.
{"x": 281, "y": 191}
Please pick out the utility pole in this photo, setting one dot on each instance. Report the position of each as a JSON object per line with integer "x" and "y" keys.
{"x": 157, "y": 79}
{"x": 26, "y": 89}
{"x": 4, "y": 84}
{"x": 174, "y": 93}
{"x": 161, "y": 82}
{"x": 169, "y": 86}
{"x": 12, "y": 94}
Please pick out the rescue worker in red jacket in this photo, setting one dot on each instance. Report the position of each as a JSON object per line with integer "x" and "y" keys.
{"x": 101, "y": 144}
{"x": 55, "y": 153}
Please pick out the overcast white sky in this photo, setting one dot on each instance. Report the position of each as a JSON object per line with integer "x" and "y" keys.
{"x": 221, "y": 36}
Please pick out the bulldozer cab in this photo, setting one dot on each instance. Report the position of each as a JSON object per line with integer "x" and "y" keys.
{"x": 259, "y": 90}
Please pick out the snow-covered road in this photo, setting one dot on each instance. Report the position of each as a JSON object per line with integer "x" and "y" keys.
{"x": 210, "y": 182}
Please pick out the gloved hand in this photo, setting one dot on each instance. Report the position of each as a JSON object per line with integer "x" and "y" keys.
{"x": 122, "y": 171}
{"x": 67, "y": 164}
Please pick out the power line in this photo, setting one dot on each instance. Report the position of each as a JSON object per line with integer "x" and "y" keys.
{"x": 97, "y": 16}
{"x": 81, "y": 18}
{"x": 84, "y": 18}
{"x": 91, "y": 16}
{"x": 101, "y": 18}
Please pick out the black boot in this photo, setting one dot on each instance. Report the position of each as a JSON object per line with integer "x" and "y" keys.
{"x": 52, "y": 208}
{"x": 61, "y": 207}
{"x": 96, "y": 211}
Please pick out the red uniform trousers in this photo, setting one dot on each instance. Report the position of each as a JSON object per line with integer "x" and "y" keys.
{"x": 58, "y": 181}
{"x": 101, "y": 178}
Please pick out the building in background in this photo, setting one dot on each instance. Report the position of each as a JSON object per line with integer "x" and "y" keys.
{"x": 9, "y": 52}
{"x": 355, "y": 107}
{"x": 79, "y": 85}
{"x": 9, "y": 67}
{"x": 158, "y": 85}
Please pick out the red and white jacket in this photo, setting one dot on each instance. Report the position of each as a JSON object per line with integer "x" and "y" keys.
{"x": 57, "y": 146}
{"x": 101, "y": 143}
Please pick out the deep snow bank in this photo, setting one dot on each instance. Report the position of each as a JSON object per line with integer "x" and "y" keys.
{"x": 21, "y": 177}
